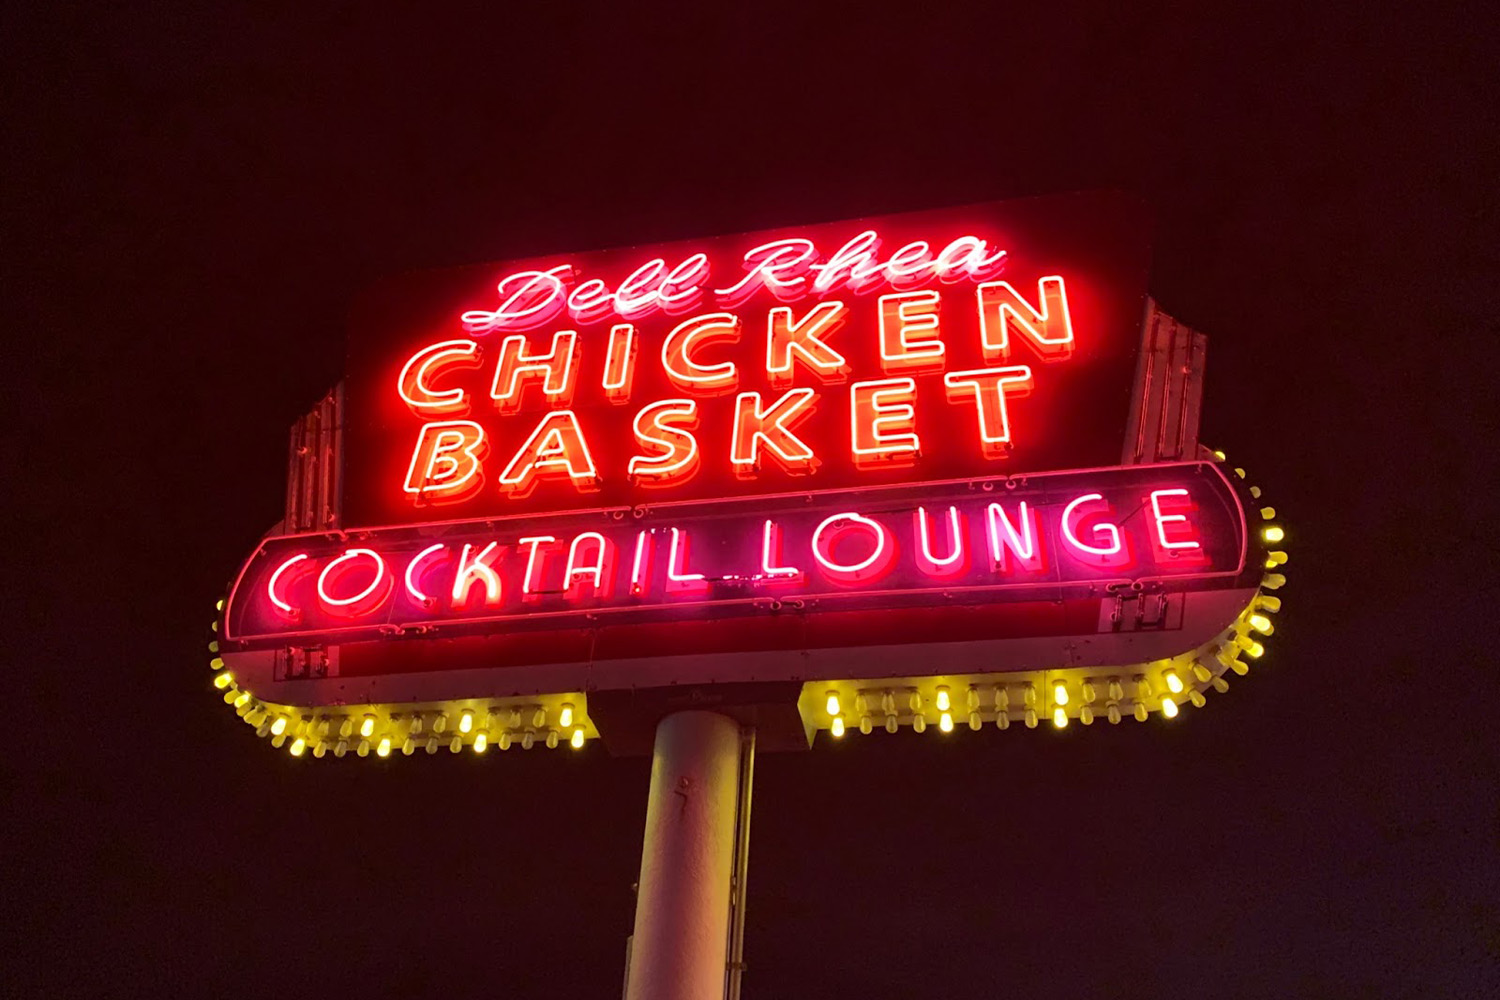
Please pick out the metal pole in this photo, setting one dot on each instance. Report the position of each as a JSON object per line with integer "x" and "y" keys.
{"x": 679, "y": 948}
{"x": 741, "y": 865}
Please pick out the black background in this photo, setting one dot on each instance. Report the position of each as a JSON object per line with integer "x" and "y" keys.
{"x": 193, "y": 196}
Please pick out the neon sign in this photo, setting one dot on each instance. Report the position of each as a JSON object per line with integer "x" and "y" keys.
{"x": 975, "y": 342}
{"x": 885, "y": 548}
{"x": 806, "y": 467}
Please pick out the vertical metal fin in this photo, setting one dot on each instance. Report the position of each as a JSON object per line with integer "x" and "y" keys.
{"x": 1168, "y": 395}
{"x": 314, "y": 479}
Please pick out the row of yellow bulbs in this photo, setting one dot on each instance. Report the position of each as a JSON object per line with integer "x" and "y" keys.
{"x": 1236, "y": 643}
{"x": 317, "y": 732}
{"x": 285, "y": 725}
{"x": 1227, "y": 651}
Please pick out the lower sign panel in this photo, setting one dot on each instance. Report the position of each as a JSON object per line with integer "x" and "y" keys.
{"x": 1036, "y": 545}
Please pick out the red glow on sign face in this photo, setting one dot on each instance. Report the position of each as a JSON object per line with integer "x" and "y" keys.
{"x": 968, "y": 342}
{"x": 340, "y": 593}
{"x": 887, "y": 547}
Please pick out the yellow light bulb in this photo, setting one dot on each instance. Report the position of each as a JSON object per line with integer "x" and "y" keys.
{"x": 1169, "y": 708}
{"x": 384, "y": 748}
{"x": 466, "y": 721}
{"x": 242, "y": 700}
{"x": 1254, "y": 649}
{"x": 837, "y": 729}
{"x": 1262, "y": 624}
{"x": 1273, "y": 534}
{"x": 298, "y": 745}
{"x": 943, "y": 701}
{"x": 1174, "y": 683}
{"x": 1060, "y": 693}
{"x": 945, "y": 722}
{"x": 552, "y": 739}
{"x": 576, "y": 740}
{"x": 219, "y": 604}
{"x": 919, "y": 723}
{"x": 1060, "y": 717}
{"x": 565, "y": 718}
{"x": 831, "y": 706}
{"x": 367, "y": 726}
{"x": 481, "y": 743}
{"x": 279, "y": 726}
{"x": 222, "y": 681}
{"x": 216, "y": 664}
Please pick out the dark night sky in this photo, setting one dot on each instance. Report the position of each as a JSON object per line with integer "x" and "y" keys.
{"x": 193, "y": 199}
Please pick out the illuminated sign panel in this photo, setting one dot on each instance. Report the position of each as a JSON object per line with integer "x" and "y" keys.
{"x": 889, "y": 472}
{"x": 879, "y": 549}
{"x": 982, "y": 341}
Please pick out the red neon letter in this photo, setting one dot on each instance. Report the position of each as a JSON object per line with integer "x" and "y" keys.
{"x": 753, "y": 425}
{"x": 910, "y": 265}
{"x": 1007, "y": 542}
{"x": 770, "y": 558}
{"x": 956, "y": 562}
{"x": 910, "y": 336}
{"x": 1185, "y": 547}
{"x": 834, "y": 529}
{"x": 536, "y": 565}
{"x": 430, "y": 362}
{"x": 640, "y": 566}
{"x": 556, "y": 368}
{"x": 687, "y": 373}
{"x": 682, "y": 288}
{"x": 678, "y": 579}
{"x": 599, "y": 573}
{"x": 527, "y": 299}
{"x": 619, "y": 363}
{"x": 475, "y": 567}
{"x": 271, "y": 592}
{"x": 1048, "y": 331}
{"x": 556, "y": 449}
{"x": 852, "y": 264}
{"x": 411, "y": 574}
{"x": 364, "y": 601}
{"x": 666, "y": 428}
{"x": 1112, "y": 552}
{"x": 445, "y": 465}
{"x": 785, "y": 338}
{"x": 987, "y": 387}
{"x": 780, "y": 265}
{"x": 882, "y": 421}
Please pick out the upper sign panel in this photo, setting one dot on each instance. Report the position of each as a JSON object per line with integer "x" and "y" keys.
{"x": 980, "y": 341}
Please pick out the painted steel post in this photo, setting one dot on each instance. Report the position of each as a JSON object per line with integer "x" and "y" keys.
{"x": 680, "y": 946}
